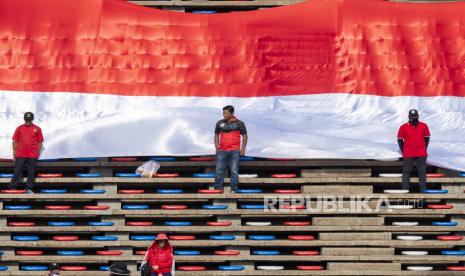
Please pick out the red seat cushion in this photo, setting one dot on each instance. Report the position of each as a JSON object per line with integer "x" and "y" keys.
{"x": 280, "y": 191}
{"x": 301, "y": 237}
{"x": 435, "y": 175}
{"x": 56, "y": 207}
{"x": 139, "y": 223}
{"x": 205, "y": 158}
{"x": 65, "y": 238}
{"x": 450, "y": 238}
{"x": 227, "y": 252}
{"x": 456, "y": 268}
{"x": 6, "y": 160}
{"x": 182, "y": 238}
{"x": 296, "y": 223}
{"x": 305, "y": 253}
{"x": 140, "y": 252}
{"x": 219, "y": 223}
{"x": 131, "y": 191}
{"x": 295, "y": 207}
{"x": 73, "y": 268}
{"x": 109, "y": 252}
{"x": 29, "y": 252}
{"x": 284, "y": 175}
{"x": 440, "y": 206}
{"x": 310, "y": 267}
{"x": 13, "y": 191}
{"x": 49, "y": 175}
{"x": 191, "y": 268}
{"x": 100, "y": 207}
{"x": 166, "y": 175}
{"x": 23, "y": 224}
{"x": 206, "y": 191}
{"x": 123, "y": 159}
{"x": 174, "y": 207}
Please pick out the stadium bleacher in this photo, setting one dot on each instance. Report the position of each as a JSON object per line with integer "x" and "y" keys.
{"x": 223, "y": 233}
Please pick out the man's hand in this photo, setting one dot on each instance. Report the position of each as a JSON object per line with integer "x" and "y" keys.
{"x": 242, "y": 152}
{"x": 160, "y": 274}
{"x": 155, "y": 267}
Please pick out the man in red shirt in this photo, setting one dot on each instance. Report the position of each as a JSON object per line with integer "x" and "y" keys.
{"x": 228, "y": 146}
{"x": 413, "y": 139}
{"x": 27, "y": 144}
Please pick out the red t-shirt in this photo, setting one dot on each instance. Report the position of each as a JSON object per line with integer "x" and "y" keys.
{"x": 28, "y": 138}
{"x": 414, "y": 139}
{"x": 230, "y": 133}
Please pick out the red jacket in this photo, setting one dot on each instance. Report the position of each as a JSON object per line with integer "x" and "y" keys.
{"x": 162, "y": 257}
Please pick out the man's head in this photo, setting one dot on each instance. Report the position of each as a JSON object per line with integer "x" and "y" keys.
{"x": 28, "y": 117}
{"x": 228, "y": 112}
{"x": 413, "y": 116}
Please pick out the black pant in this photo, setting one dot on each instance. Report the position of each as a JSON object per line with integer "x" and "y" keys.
{"x": 421, "y": 168}
{"x": 20, "y": 163}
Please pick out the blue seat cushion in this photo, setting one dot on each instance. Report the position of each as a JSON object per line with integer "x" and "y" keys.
{"x": 88, "y": 175}
{"x": 136, "y": 207}
{"x": 249, "y": 191}
{"x": 214, "y": 207}
{"x": 85, "y": 159}
{"x": 203, "y": 12}
{"x": 247, "y": 158}
{"x": 253, "y": 206}
{"x": 6, "y": 175}
{"x": 262, "y": 237}
{"x": 3, "y": 268}
{"x": 104, "y": 238}
{"x": 265, "y": 252}
{"x": 432, "y": 191}
{"x": 127, "y": 175}
{"x": 231, "y": 267}
{"x": 445, "y": 223}
{"x": 162, "y": 159}
{"x": 18, "y": 207}
{"x": 34, "y": 267}
{"x": 25, "y": 238}
{"x": 222, "y": 237}
{"x": 170, "y": 191}
{"x": 104, "y": 268}
{"x": 70, "y": 252}
{"x": 186, "y": 252}
{"x": 204, "y": 175}
{"x": 178, "y": 223}
{"x": 88, "y": 191}
{"x": 101, "y": 223}
{"x": 143, "y": 238}
{"x": 61, "y": 223}
{"x": 462, "y": 174}
{"x": 54, "y": 191}
{"x": 453, "y": 252}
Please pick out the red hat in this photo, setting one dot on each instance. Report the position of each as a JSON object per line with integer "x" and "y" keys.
{"x": 161, "y": 236}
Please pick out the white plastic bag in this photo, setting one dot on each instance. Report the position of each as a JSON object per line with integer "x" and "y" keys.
{"x": 148, "y": 169}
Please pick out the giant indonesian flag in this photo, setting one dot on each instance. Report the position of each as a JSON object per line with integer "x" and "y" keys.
{"x": 319, "y": 79}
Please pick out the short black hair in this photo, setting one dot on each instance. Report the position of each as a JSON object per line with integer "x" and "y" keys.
{"x": 229, "y": 108}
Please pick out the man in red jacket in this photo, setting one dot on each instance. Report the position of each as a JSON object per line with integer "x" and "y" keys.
{"x": 27, "y": 144}
{"x": 413, "y": 139}
{"x": 160, "y": 256}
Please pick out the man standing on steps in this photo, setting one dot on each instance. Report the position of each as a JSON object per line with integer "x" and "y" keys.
{"x": 229, "y": 148}
{"x": 413, "y": 138}
{"x": 27, "y": 145}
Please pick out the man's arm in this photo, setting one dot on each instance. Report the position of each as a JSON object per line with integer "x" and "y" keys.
{"x": 426, "y": 141}
{"x": 217, "y": 141}
{"x": 244, "y": 143}
{"x": 39, "y": 148}
{"x": 15, "y": 146}
{"x": 401, "y": 144}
